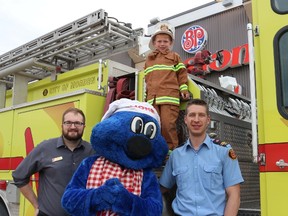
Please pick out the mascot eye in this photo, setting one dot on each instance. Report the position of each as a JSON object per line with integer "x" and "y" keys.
{"x": 137, "y": 125}
{"x": 150, "y": 130}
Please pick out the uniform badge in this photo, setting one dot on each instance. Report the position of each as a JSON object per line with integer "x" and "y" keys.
{"x": 232, "y": 154}
{"x": 57, "y": 159}
{"x": 223, "y": 143}
{"x": 219, "y": 142}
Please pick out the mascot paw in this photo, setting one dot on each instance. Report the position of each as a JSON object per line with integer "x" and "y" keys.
{"x": 116, "y": 188}
{"x": 112, "y": 182}
{"x": 110, "y": 190}
{"x": 120, "y": 195}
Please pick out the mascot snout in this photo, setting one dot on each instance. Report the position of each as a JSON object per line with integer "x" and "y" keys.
{"x": 138, "y": 147}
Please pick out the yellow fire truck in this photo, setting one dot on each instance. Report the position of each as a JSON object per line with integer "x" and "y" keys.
{"x": 270, "y": 34}
{"x": 73, "y": 66}
{"x": 79, "y": 65}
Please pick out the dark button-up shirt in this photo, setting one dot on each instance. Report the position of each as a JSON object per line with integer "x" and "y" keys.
{"x": 56, "y": 164}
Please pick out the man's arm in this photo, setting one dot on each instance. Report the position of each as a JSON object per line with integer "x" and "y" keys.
{"x": 163, "y": 189}
{"x": 233, "y": 200}
{"x": 29, "y": 194}
{"x": 167, "y": 199}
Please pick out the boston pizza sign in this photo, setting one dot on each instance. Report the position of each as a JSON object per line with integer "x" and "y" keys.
{"x": 237, "y": 57}
{"x": 194, "y": 39}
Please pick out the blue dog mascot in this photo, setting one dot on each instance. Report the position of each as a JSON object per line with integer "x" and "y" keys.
{"x": 118, "y": 179}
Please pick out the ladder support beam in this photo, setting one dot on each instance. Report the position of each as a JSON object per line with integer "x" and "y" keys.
{"x": 20, "y": 90}
{"x": 2, "y": 95}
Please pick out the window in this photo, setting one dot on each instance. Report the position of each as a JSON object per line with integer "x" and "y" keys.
{"x": 280, "y": 6}
{"x": 281, "y": 69}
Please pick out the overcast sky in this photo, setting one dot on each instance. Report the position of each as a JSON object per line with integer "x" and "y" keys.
{"x": 22, "y": 21}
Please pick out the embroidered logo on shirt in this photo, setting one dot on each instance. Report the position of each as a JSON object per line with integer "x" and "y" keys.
{"x": 232, "y": 154}
{"x": 57, "y": 159}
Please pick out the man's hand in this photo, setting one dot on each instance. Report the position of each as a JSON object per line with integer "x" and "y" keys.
{"x": 36, "y": 212}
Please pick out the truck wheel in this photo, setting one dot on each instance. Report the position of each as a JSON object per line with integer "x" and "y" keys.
{"x": 3, "y": 210}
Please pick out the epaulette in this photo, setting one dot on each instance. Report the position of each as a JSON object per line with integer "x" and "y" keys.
{"x": 221, "y": 143}
{"x": 231, "y": 152}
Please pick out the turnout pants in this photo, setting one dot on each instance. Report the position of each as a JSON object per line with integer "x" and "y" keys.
{"x": 168, "y": 115}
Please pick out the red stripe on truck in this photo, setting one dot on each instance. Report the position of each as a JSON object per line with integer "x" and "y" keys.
{"x": 270, "y": 155}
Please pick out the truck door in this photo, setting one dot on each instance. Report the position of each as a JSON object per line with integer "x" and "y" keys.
{"x": 271, "y": 65}
{"x": 32, "y": 126}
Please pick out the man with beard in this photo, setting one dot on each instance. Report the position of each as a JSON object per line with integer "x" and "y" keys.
{"x": 205, "y": 171}
{"x": 55, "y": 160}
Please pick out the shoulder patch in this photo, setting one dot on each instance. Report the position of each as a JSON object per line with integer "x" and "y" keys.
{"x": 232, "y": 154}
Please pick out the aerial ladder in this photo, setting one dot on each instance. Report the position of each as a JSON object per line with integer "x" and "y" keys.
{"x": 79, "y": 43}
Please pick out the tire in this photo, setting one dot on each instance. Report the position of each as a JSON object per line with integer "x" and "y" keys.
{"x": 3, "y": 210}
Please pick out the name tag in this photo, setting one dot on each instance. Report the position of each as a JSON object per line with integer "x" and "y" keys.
{"x": 57, "y": 159}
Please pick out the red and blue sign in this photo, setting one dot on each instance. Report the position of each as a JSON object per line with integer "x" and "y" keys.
{"x": 194, "y": 39}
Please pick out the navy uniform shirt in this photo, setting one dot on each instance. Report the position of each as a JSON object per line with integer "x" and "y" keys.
{"x": 56, "y": 164}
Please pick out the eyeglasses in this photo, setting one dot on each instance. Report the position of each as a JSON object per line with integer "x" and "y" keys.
{"x": 76, "y": 124}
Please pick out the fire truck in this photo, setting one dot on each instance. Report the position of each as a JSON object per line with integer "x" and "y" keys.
{"x": 269, "y": 33}
{"x": 96, "y": 59}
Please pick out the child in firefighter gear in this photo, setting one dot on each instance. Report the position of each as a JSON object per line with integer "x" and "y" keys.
{"x": 205, "y": 170}
{"x": 118, "y": 179}
{"x": 166, "y": 81}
